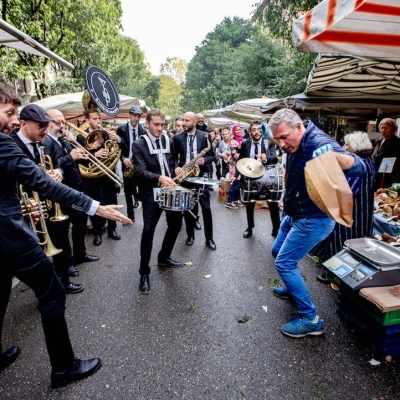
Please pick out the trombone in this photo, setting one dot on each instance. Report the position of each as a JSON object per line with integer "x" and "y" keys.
{"x": 107, "y": 171}
{"x": 40, "y": 207}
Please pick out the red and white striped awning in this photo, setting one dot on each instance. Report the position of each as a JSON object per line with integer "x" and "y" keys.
{"x": 368, "y": 28}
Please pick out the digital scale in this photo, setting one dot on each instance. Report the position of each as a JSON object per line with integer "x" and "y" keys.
{"x": 364, "y": 263}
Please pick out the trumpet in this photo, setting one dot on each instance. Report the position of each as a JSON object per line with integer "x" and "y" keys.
{"x": 47, "y": 162}
{"x": 96, "y": 168}
{"x": 40, "y": 207}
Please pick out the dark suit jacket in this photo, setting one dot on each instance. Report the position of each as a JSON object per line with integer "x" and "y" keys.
{"x": 147, "y": 167}
{"x": 70, "y": 168}
{"x": 125, "y": 144}
{"x": 389, "y": 148}
{"x": 16, "y": 168}
{"x": 181, "y": 141}
{"x": 244, "y": 152}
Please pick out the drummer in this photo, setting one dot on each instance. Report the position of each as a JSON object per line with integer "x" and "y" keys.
{"x": 255, "y": 148}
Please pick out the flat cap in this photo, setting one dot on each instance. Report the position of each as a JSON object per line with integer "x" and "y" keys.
{"x": 33, "y": 112}
{"x": 135, "y": 110}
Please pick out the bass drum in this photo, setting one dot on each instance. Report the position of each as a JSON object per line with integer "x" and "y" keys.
{"x": 177, "y": 199}
{"x": 268, "y": 187}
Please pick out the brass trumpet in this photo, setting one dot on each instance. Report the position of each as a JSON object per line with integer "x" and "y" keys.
{"x": 47, "y": 162}
{"x": 96, "y": 168}
{"x": 40, "y": 207}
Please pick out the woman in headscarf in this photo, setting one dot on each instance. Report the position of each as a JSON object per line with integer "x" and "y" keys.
{"x": 235, "y": 144}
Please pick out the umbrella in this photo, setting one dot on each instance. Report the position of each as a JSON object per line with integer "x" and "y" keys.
{"x": 12, "y": 37}
{"x": 368, "y": 28}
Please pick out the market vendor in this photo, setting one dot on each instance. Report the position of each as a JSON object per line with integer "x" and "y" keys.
{"x": 387, "y": 147}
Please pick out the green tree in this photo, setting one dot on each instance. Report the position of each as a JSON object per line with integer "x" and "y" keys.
{"x": 174, "y": 67}
{"x": 169, "y": 96}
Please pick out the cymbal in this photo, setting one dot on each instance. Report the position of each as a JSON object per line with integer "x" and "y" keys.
{"x": 203, "y": 181}
{"x": 250, "y": 168}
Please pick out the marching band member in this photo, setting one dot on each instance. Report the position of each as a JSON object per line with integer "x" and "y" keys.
{"x": 126, "y": 135}
{"x": 68, "y": 159}
{"x": 23, "y": 258}
{"x": 101, "y": 189}
{"x": 154, "y": 159}
{"x": 187, "y": 145}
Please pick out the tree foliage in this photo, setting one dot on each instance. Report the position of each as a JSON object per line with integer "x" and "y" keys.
{"x": 174, "y": 67}
{"x": 170, "y": 96}
{"x": 278, "y": 16}
{"x": 238, "y": 61}
{"x": 84, "y": 33}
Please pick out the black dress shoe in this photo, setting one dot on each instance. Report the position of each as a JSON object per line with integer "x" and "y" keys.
{"x": 211, "y": 244}
{"x": 114, "y": 235}
{"x": 169, "y": 262}
{"x": 144, "y": 285}
{"x": 72, "y": 271}
{"x": 73, "y": 288}
{"x": 87, "y": 258}
{"x": 197, "y": 226}
{"x": 80, "y": 369}
{"x": 97, "y": 240}
{"x": 136, "y": 204}
{"x": 8, "y": 357}
{"x": 189, "y": 241}
{"x": 248, "y": 233}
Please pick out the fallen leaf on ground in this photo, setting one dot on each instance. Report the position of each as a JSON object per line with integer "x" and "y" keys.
{"x": 188, "y": 263}
{"x": 374, "y": 362}
{"x": 207, "y": 276}
{"x": 265, "y": 308}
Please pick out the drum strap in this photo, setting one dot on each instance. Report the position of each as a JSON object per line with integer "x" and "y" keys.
{"x": 160, "y": 152}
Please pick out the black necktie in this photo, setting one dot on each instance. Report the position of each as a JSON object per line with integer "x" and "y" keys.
{"x": 36, "y": 154}
{"x": 61, "y": 141}
{"x": 255, "y": 150}
{"x": 133, "y": 134}
{"x": 191, "y": 139}
{"x": 158, "y": 144}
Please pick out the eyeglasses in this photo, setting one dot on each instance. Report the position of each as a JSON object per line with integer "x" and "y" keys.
{"x": 58, "y": 123}
{"x": 41, "y": 126}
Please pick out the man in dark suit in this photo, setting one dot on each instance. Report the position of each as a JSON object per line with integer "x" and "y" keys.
{"x": 102, "y": 188}
{"x": 187, "y": 146}
{"x": 125, "y": 136}
{"x": 68, "y": 159}
{"x": 31, "y": 138}
{"x": 254, "y": 147}
{"x": 154, "y": 159}
{"x": 22, "y": 257}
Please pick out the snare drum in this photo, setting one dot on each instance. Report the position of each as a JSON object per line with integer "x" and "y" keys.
{"x": 268, "y": 187}
{"x": 177, "y": 198}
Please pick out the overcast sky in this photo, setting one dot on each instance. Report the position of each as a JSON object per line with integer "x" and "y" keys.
{"x": 173, "y": 28}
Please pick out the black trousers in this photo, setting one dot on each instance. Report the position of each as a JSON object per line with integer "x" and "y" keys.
{"x": 204, "y": 200}
{"x": 273, "y": 212}
{"x": 58, "y": 232}
{"x": 151, "y": 215}
{"x": 130, "y": 190}
{"x": 78, "y": 220}
{"x": 35, "y": 269}
{"x": 103, "y": 190}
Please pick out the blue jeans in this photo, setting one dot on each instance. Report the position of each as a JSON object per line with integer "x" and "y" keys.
{"x": 234, "y": 192}
{"x": 295, "y": 240}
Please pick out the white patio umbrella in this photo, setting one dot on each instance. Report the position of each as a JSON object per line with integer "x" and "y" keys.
{"x": 367, "y": 28}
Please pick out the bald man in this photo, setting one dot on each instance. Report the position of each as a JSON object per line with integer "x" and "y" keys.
{"x": 200, "y": 125}
{"x": 68, "y": 159}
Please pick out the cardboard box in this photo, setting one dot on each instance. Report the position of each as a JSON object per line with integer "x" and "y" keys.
{"x": 226, "y": 185}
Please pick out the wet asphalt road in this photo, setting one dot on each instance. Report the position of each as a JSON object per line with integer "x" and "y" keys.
{"x": 183, "y": 341}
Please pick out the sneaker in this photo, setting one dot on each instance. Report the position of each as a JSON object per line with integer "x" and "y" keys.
{"x": 281, "y": 292}
{"x": 302, "y": 326}
{"x": 239, "y": 203}
{"x": 232, "y": 206}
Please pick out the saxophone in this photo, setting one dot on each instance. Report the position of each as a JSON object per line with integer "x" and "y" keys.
{"x": 191, "y": 169}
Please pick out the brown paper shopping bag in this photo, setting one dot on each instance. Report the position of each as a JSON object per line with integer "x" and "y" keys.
{"x": 328, "y": 188}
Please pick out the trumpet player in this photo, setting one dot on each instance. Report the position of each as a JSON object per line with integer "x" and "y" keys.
{"x": 126, "y": 135}
{"x": 101, "y": 189}
{"x": 22, "y": 257}
{"x": 34, "y": 122}
{"x": 68, "y": 159}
